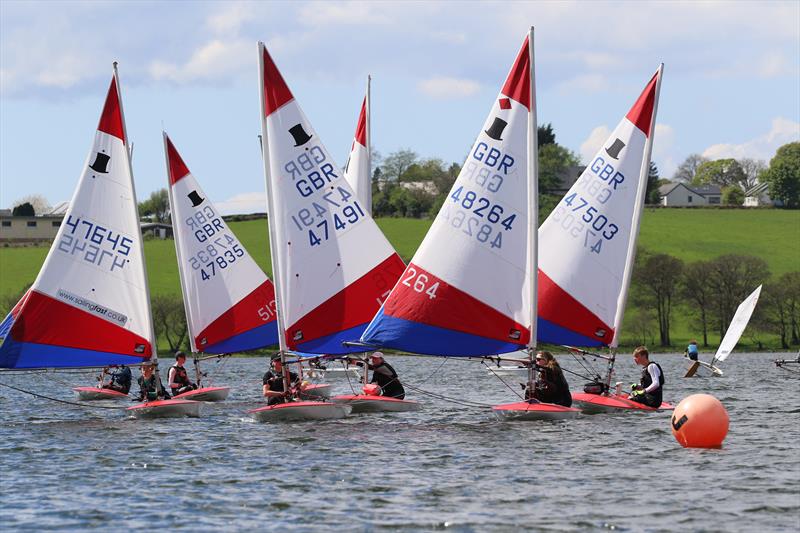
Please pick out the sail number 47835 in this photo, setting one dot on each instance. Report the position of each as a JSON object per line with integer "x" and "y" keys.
{"x": 420, "y": 282}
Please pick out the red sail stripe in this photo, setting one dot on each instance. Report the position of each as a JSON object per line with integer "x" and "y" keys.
{"x": 177, "y": 168}
{"x": 641, "y": 114}
{"x": 355, "y": 304}
{"x": 241, "y": 317}
{"x": 451, "y": 308}
{"x": 361, "y": 129}
{"x": 45, "y": 320}
{"x": 111, "y": 118}
{"x": 276, "y": 92}
{"x": 518, "y": 83}
{"x": 557, "y": 306}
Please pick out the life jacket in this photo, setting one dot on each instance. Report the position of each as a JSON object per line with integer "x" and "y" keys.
{"x": 122, "y": 379}
{"x": 275, "y": 382}
{"x": 390, "y": 385}
{"x": 647, "y": 380}
{"x": 181, "y": 377}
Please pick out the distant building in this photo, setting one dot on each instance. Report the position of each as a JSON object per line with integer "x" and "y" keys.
{"x": 44, "y": 228}
{"x": 158, "y": 230}
{"x": 682, "y": 195}
{"x": 756, "y": 196}
{"x": 424, "y": 186}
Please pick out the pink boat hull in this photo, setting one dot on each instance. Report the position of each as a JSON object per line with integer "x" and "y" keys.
{"x": 94, "y": 393}
{"x": 598, "y": 403}
{"x": 534, "y": 411}
{"x": 369, "y": 403}
{"x": 298, "y": 411}
{"x": 205, "y": 394}
{"x": 166, "y": 409}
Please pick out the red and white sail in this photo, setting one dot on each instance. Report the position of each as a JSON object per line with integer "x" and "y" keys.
{"x": 332, "y": 265}
{"x": 357, "y": 171}
{"x": 230, "y": 302}
{"x": 89, "y": 305}
{"x": 467, "y": 288}
{"x": 588, "y": 242}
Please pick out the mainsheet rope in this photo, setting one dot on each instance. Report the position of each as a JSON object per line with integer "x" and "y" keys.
{"x": 37, "y": 395}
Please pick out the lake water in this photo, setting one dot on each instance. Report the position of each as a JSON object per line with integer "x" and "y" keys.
{"x": 446, "y": 467}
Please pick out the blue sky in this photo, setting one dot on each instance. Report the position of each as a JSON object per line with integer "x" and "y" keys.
{"x": 731, "y": 83}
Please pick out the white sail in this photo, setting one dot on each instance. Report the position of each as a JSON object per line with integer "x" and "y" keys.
{"x": 737, "y": 326}
{"x": 357, "y": 171}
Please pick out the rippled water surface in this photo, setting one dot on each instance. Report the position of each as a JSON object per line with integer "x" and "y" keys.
{"x": 445, "y": 467}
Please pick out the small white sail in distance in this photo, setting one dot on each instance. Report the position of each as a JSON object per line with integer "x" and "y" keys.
{"x": 737, "y": 326}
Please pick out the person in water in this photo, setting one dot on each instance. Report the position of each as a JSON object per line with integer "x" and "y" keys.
{"x": 691, "y": 350}
{"x": 150, "y": 386}
{"x": 551, "y": 385}
{"x": 649, "y": 390}
{"x": 120, "y": 380}
{"x": 273, "y": 389}
{"x": 178, "y": 379}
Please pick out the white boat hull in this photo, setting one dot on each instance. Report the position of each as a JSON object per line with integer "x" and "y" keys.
{"x": 316, "y": 390}
{"x": 300, "y": 411}
{"x": 534, "y": 411}
{"x": 88, "y": 394}
{"x": 205, "y": 394}
{"x": 368, "y": 403}
{"x": 166, "y": 409}
{"x": 703, "y": 369}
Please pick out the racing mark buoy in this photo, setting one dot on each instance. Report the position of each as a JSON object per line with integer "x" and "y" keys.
{"x": 700, "y": 421}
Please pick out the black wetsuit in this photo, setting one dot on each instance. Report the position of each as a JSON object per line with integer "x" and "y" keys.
{"x": 120, "y": 380}
{"x": 181, "y": 381}
{"x": 385, "y": 376}
{"x": 148, "y": 391}
{"x": 552, "y": 387}
{"x": 654, "y": 398}
{"x": 274, "y": 380}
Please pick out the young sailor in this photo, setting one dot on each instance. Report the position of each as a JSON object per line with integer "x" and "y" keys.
{"x": 652, "y": 383}
{"x": 691, "y": 350}
{"x": 178, "y": 379}
{"x": 120, "y": 380}
{"x": 150, "y": 386}
{"x": 273, "y": 382}
{"x": 551, "y": 385}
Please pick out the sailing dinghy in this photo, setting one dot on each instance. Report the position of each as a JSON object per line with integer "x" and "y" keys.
{"x": 466, "y": 291}
{"x": 229, "y": 300}
{"x": 735, "y": 330}
{"x": 88, "y": 394}
{"x": 94, "y": 280}
{"x": 331, "y": 264}
{"x": 588, "y": 247}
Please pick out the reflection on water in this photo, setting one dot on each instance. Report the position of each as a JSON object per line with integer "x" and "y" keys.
{"x": 447, "y": 466}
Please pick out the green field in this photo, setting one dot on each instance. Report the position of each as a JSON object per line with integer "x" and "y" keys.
{"x": 689, "y": 234}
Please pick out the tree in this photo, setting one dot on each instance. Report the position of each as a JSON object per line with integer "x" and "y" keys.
{"x": 24, "y": 210}
{"x": 722, "y": 172}
{"x": 658, "y": 277}
{"x": 156, "y": 206}
{"x": 752, "y": 169}
{"x": 169, "y": 321}
{"x": 688, "y": 169}
{"x": 397, "y": 163}
{"x": 653, "y": 196}
{"x": 699, "y": 294}
{"x": 734, "y": 277}
{"x": 38, "y": 201}
{"x": 775, "y": 314}
{"x": 732, "y": 196}
{"x": 546, "y": 135}
{"x": 554, "y": 163}
{"x": 783, "y": 175}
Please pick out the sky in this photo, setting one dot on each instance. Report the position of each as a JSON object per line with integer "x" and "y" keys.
{"x": 731, "y": 85}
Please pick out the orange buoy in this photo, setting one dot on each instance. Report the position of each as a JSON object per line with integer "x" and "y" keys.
{"x": 700, "y": 421}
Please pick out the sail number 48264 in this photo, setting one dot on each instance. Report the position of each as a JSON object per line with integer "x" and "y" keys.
{"x": 420, "y": 282}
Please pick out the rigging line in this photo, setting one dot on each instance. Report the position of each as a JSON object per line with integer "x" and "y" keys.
{"x": 438, "y": 396}
{"x": 581, "y": 361}
{"x": 36, "y": 395}
{"x": 517, "y": 394}
{"x": 435, "y": 371}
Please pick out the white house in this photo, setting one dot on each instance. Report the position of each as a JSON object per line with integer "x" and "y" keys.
{"x": 757, "y": 195}
{"x": 682, "y": 195}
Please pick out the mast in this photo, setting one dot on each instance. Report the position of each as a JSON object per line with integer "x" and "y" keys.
{"x": 635, "y": 223}
{"x": 533, "y": 214}
{"x": 367, "y": 113}
{"x": 175, "y": 238}
{"x": 273, "y": 244}
{"x": 151, "y": 329}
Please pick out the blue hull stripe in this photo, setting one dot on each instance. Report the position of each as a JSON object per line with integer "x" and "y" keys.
{"x": 400, "y": 334}
{"x": 260, "y": 337}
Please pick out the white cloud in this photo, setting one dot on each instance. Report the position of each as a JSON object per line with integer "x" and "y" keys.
{"x": 243, "y": 204}
{"x": 449, "y": 37}
{"x": 213, "y": 60}
{"x": 343, "y": 13}
{"x": 443, "y": 87}
{"x": 592, "y": 144}
{"x": 585, "y": 83}
{"x": 231, "y": 17}
{"x": 763, "y": 147}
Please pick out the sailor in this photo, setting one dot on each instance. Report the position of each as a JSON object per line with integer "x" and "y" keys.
{"x": 178, "y": 379}
{"x": 691, "y": 350}
{"x": 649, "y": 390}
{"x": 120, "y": 381}
{"x": 385, "y": 376}
{"x": 273, "y": 382}
{"x": 150, "y": 386}
{"x": 551, "y": 385}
